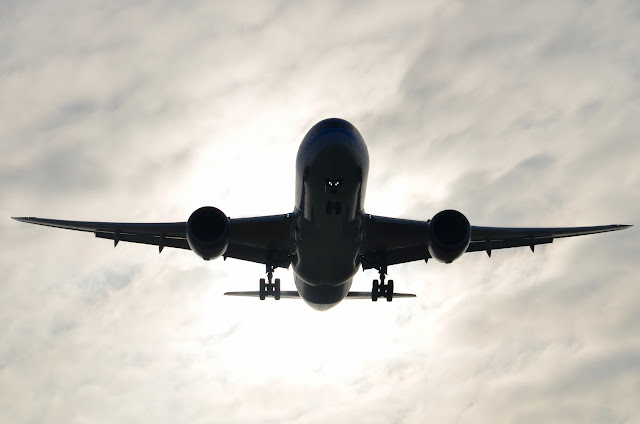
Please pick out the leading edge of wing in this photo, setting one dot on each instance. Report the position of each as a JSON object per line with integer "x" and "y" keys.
{"x": 503, "y": 233}
{"x": 169, "y": 229}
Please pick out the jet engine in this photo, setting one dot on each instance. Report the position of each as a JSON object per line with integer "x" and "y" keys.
{"x": 449, "y": 235}
{"x": 208, "y": 232}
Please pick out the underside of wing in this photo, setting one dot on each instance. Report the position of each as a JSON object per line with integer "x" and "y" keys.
{"x": 265, "y": 240}
{"x": 390, "y": 241}
{"x": 491, "y": 238}
{"x": 168, "y": 234}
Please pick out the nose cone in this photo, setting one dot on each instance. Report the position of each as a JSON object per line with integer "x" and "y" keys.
{"x": 336, "y": 133}
{"x": 335, "y": 143}
{"x": 332, "y": 124}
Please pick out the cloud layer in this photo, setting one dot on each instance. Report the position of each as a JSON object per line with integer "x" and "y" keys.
{"x": 514, "y": 113}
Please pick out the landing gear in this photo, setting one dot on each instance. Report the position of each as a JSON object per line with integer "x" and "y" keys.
{"x": 382, "y": 289}
{"x": 263, "y": 289}
{"x": 269, "y": 288}
{"x": 375, "y": 290}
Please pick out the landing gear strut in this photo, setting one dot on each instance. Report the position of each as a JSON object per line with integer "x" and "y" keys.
{"x": 269, "y": 288}
{"x": 380, "y": 288}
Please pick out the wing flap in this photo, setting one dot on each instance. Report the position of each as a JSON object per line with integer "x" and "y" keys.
{"x": 489, "y": 245}
{"x": 277, "y": 258}
{"x": 159, "y": 241}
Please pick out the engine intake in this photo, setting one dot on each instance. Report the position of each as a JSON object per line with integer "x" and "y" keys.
{"x": 449, "y": 235}
{"x": 208, "y": 232}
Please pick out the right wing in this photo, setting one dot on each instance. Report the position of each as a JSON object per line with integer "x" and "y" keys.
{"x": 164, "y": 234}
{"x": 265, "y": 239}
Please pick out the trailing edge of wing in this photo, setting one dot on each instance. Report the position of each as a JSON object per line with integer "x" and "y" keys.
{"x": 168, "y": 234}
{"x": 502, "y": 233}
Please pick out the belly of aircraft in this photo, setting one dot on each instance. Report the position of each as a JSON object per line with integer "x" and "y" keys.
{"x": 331, "y": 174}
{"x": 326, "y": 261}
{"x": 322, "y": 297}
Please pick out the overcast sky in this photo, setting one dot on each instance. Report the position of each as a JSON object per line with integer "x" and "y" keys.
{"x": 516, "y": 113}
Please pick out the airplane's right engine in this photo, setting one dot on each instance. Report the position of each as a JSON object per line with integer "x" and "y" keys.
{"x": 449, "y": 235}
{"x": 208, "y": 232}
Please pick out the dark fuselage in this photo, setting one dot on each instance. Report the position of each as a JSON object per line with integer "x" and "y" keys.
{"x": 331, "y": 179}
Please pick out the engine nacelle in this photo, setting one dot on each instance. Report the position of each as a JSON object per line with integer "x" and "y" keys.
{"x": 208, "y": 232}
{"x": 449, "y": 235}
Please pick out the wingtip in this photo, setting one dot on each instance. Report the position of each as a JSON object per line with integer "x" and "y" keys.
{"x": 27, "y": 219}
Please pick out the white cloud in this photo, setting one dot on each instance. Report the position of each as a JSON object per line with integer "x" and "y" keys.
{"x": 515, "y": 113}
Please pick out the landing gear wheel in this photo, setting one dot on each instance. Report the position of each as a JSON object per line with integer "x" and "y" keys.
{"x": 276, "y": 289}
{"x": 389, "y": 293}
{"x": 375, "y": 290}
{"x": 263, "y": 289}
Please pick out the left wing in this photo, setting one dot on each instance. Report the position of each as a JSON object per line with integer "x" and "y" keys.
{"x": 391, "y": 241}
{"x": 265, "y": 239}
{"x": 488, "y": 238}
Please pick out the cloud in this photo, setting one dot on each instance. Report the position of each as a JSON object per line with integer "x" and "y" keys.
{"x": 514, "y": 113}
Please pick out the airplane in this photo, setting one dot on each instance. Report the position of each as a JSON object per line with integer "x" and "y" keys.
{"x": 328, "y": 236}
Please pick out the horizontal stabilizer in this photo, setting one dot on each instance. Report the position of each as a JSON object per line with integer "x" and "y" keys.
{"x": 283, "y": 294}
{"x": 367, "y": 295}
{"x": 295, "y": 295}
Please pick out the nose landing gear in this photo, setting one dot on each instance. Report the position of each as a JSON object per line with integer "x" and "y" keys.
{"x": 269, "y": 288}
{"x": 380, "y": 288}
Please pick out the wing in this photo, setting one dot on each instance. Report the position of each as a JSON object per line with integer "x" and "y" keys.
{"x": 489, "y": 238}
{"x": 265, "y": 239}
{"x": 391, "y": 241}
{"x": 165, "y": 234}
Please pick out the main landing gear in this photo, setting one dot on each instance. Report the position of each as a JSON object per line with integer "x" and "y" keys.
{"x": 270, "y": 288}
{"x": 380, "y": 288}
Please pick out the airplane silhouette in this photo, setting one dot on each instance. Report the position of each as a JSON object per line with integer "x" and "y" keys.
{"x": 328, "y": 235}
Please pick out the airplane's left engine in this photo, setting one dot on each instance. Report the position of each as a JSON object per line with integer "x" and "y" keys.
{"x": 449, "y": 235}
{"x": 208, "y": 232}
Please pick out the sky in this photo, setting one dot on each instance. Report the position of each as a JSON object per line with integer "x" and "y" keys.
{"x": 515, "y": 113}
